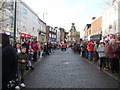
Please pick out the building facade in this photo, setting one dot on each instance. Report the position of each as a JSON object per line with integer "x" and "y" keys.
{"x": 28, "y": 24}
{"x": 96, "y": 29}
{"x": 51, "y": 34}
{"x": 62, "y": 35}
{"x": 111, "y": 21}
{"x": 42, "y": 31}
{"x": 6, "y": 18}
{"x": 73, "y": 35}
{"x": 58, "y": 34}
{"x": 87, "y": 32}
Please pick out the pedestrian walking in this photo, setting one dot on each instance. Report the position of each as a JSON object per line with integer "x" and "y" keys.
{"x": 9, "y": 63}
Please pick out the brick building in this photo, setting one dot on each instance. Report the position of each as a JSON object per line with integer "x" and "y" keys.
{"x": 51, "y": 34}
{"x": 96, "y": 29}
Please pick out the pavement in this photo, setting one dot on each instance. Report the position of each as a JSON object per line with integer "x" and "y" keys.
{"x": 65, "y": 69}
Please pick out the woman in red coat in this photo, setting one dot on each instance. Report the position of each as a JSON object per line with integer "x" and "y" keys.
{"x": 112, "y": 55}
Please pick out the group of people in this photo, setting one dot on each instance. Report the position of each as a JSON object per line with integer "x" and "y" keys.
{"x": 18, "y": 57}
{"x": 107, "y": 53}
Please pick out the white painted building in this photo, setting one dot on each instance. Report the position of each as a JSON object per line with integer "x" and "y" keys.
{"x": 42, "y": 31}
{"x": 27, "y": 21}
{"x": 28, "y": 24}
{"x": 6, "y": 17}
{"x": 111, "y": 20}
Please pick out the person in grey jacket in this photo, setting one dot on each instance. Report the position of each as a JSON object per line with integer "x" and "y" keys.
{"x": 102, "y": 55}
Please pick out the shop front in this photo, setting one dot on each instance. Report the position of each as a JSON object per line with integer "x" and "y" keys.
{"x": 96, "y": 37}
{"x": 52, "y": 39}
{"x": 24, "y": 37}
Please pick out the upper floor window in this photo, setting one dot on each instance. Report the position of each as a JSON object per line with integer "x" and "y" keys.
{"x": 24, "y": 13}
{"x": 40, "y": 26}
{"x": 11, "y": 6}
{"x": 11, "y": 22}
{"x": 34, "y": 19}
{"x": 24, "y": 25}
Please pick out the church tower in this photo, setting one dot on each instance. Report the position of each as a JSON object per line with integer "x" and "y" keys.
{"x": 74, "y": 35}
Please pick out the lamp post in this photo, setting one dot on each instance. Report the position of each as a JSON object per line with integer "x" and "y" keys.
{"x": 15, "y": 21}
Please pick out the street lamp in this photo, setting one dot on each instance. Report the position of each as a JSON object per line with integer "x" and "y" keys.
{"x": 15, "y": 21}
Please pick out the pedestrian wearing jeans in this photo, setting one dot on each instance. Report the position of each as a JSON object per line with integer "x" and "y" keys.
{"x": 90, "y": 48}
{"x": 22, "y": 60}
{"x": 101, "y": 52}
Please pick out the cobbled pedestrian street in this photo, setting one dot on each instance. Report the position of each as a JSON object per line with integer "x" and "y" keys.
{"x": 65, "y": 69}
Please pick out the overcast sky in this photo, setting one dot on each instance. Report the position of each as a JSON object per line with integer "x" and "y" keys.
{"x": 62, "y": 13}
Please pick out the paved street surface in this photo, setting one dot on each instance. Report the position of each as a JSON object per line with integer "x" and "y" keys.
{"x": 65, "y": 69}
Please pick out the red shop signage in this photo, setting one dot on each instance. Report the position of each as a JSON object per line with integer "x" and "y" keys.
{"x": 22, "y": 35}
{"x": 25, "y": 35}
{"x": 28, "y": 36}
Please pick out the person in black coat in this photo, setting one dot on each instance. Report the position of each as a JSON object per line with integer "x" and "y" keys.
{"x": 9, "y": 62}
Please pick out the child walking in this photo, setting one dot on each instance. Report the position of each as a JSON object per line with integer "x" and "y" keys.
{"x": 102, "y": 58}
